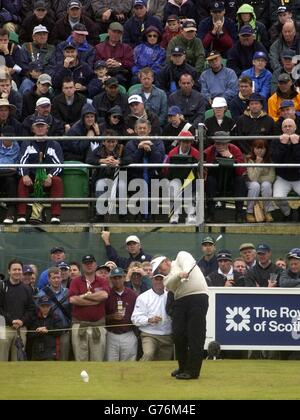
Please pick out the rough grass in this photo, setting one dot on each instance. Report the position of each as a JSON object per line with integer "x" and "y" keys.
{"x": 223, "y": 379}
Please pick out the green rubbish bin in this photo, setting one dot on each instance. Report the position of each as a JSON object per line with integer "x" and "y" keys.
{"x": 76, "y": 181}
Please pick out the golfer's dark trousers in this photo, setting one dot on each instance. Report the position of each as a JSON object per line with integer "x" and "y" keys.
{"x": 189, "y": 332}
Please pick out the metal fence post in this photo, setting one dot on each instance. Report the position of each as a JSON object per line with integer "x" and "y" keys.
{"x": 200, "y": 182}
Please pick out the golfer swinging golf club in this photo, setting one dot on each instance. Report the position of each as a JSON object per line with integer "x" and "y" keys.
{"x": 185, "y": 279}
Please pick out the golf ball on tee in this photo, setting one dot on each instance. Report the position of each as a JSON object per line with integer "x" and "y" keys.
{"x": 84, "y": 376}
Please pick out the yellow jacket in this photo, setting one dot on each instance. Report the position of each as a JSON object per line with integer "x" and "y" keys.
{"x": 274, "y": 102}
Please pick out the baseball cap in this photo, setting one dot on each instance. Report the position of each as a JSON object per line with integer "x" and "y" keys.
{"x": 40, "y": 121}
{"x": 286, "y": 103}
{"x": 263, "y": 248}
{"x": 287, "y": 53}
{"x": 44, "y": 300}
{"x": 178, "y": 51}
{"x": 103, "y": 266}
{"x": 172, "y": 17}
{"x": 43, "y": 101}
{"x": 260, "y": 54}
{"x": 282, "y": 9}
{"x": 189, "y": 25}
{"x": 39, "y": 5}
{"x": 217, "y": 6}
{"x": 73, "y": 4}
{"x": 132, "y": 238}
{"x": 223, "y": 134}
{"x": 140, "y": 3}
{"x": 57, "y": 249}
{"x": 208, "y": 240}
{"x": 112, "y": 81}
{"x": 135, "y": 98}
{"x": 224, "y": 254}
{"x": 63, "y": 265}
{"x": 256, "y": 97}
{"x": 80, "y": 29}
{"x": 218, "y": 102}
{"x": 116, "y": 26}
{"x": 44, "y": 78}
{"x": 36, "y": 65}
{"x": 117, "y": 272}
{"x": 27, "y": 269}
{"x": 212, "y": 55}
{"x": 38, "y": 29}
{"x": 88, "y": 258}
{"x": 246, "y": 245}
{"x": 246, "y": 30}
{"x": 294, "y": 253}
{"x": 156, "y": 262}
{"x": 70, "y": 45}
{"x": 174, "y": 110}
{"x": 100, "y": 63}
{"x": 284, "y": 77}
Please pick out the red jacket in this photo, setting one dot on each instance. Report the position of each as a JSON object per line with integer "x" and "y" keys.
{"x": 167, "y": 36}
{"x": 121, "y": 52}
{"x": 210, "y": 153}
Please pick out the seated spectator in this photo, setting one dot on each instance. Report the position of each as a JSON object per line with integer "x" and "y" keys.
{"x": 239, "y": 103}
{"x": 217, "y": 31}
{"x": 203, "y": 8}
{"x": 38, "y": 15}
{"x": 291, "y": 276}
{"x": 156, "y": 8}
{"x": 47, "y": 327}
{"x": 9, "y": 154}
{"x": 219, "y": 121}
{"x": 42, "y": 88}
{"x": 191, "y": 102}
{"x": 121, "y": 342}
{"x": 35, "y": 69}
{"x": 172, "y": 28}
{"x": 260, "y": 76}
{"x": 96, "y": 85}
{"x": 72, "y": 67}
{"x": 188, "y": 41}
{"x": 287, "y": 110}
{"x": 7, "y": 92}
{"x": 184, "y": 148}
{"x": 43, "y": 109}
{"x": 28, "y": 6}
{"x": 87, "y": 126}
{"x": 225, "y": 178}
{"x": 110, "y": 11}
{"x": 287, "y": 40}
{"x": 208, "y": 263}
{"x": 287, "y": 66}
{"x": 180, "y": 8}
{"x": 284, "y": 14}
{"x": 176, "y": 125}
{"x": 51, "y": 152}
{"x": 117, "y": 55}
{"x": 285, "y": 90}
{"x": 110, "y": 98}
{"x": 240, "y": 56}
{"x": 136, "y": 25}
{"x": 225, "y": 276}
{"x": 109, "y": 154}
{"x": 149, "y": 53}
{"x": 168, "y": 78}
{"x": 248, "y": 253}
{"x": 286, "y": 150}
{"x": 133, "y": 247}
{"x": 260, "y": 180}
{"x": 136, "y": 278}
{"x": 218, "y": 80}
{"x": 74, "y": 15}
{"x": 63, "y": 6}
{"x": 154, "y": 98}
{"x": 246, "y": 16}
{"x": 137, "y": 112}
{"x": 68, "y": 104}
{"x": 155, "y": 325}
{"x": 10, "y": 14}
{"x": 114, "y": 120}
{"x": 254, "y": 122}
{"x": 38, "y": 49}
{"x": 265, "y": 273}
{"x": 7, "y": 113}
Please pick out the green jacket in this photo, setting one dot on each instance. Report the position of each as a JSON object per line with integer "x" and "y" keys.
{"x": 194, "y": 51}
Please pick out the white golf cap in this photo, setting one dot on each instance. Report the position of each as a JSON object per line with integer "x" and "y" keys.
{"x": 40, "y": 28}
{"x": 218, "y": 102}
{"x": 156, "y": 262}
{"x": 135, "y": 98}
{"x": 133, "y": 238}
{"x": 43, "y": 101}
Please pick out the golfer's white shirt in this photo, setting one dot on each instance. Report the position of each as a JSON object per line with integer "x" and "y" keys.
{"x": 148, "y": 305}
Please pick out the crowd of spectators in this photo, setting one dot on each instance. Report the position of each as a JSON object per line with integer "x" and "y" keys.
{"x": 136, "y": 68}
{"x": 117, "y": 310}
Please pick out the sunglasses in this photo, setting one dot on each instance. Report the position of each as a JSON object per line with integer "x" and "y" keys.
{"x": 152, "y": 36}
{"x": 116, "y": 116}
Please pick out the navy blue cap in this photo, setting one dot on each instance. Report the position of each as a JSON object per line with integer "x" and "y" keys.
{"x": 63, "y": 265}
{"x": 117, "y": 272}
{"x": 294, "y": 253}
{"x": 246, "y": 30}
{"x": 44, "y": 300}
{"x": 287, "y": 53}
{"x": 100, "y": 63}
{"x": 57, "y": 249}
{"x": 27, "y": 269}
{"x": 70, "y": 45}
{"x": 260, "y": 54}
{"x": 224, "y": 254}
{"x": 263, "y": 248}
{"x": 174, "y": 110}
{"x": 140, "y": 3}
{"x": 39, "y": 120}
{"x": 256, "y": 97}
{"x": 88, "y": 258}
{"x": 36, "y": 65}
{"x": 217, "y": 6}
{"x": 178, "y": 51}
{"x": 286, "y": 104}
